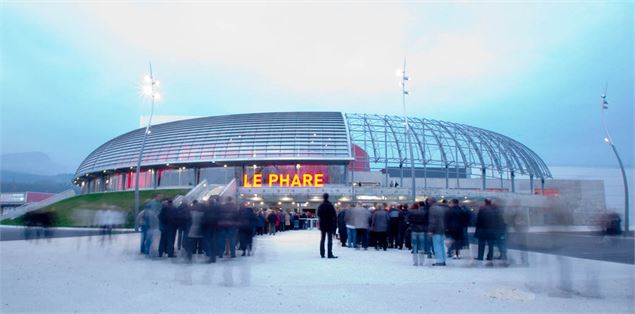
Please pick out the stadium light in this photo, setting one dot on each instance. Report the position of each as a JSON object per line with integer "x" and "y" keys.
{"x": 149, "y": 89}
{"x": 404, "y": 77}
{"x": 604, "y": 105}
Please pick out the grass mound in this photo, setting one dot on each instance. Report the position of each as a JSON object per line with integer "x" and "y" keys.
{"x": 63, "y": 211}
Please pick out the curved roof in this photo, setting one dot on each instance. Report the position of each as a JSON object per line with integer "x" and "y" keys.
{"x": 317, "y": 137}
{"x": 441, "y": 144}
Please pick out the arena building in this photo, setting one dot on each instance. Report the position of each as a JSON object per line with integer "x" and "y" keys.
{"x": 293, "y": 157}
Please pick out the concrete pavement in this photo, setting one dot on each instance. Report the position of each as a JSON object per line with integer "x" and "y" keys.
{"x": 286, "y": 274}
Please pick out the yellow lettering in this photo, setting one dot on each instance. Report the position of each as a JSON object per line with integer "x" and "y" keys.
{"x": 296, "y": 181}
{"x": 273, "y": 178}
{"x": 319, "y": 180}
{"x": 307, "y": 180}
{"x": 258, "y": 180}
{"x": 284, "y": 180}
{"x": 246, "y": 181}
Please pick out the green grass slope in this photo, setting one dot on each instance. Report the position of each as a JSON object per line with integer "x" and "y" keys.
{"x": 121, "y": 201}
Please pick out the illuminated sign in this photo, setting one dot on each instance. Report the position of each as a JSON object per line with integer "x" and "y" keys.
{"x": 285, "y": 180}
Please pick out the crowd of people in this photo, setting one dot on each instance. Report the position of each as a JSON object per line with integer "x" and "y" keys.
{"x": 428, "y": 229}
{"x": 215, "y": 228}
{"x": 422, "y": 227}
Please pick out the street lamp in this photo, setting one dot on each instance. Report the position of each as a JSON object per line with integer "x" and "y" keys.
{"x": 404, "y": 92}
{"x": 149, "y": 89}
{"x": 607, "y": 139}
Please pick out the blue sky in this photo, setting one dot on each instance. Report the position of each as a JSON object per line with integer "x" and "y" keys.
{"x": 534, "y": 71}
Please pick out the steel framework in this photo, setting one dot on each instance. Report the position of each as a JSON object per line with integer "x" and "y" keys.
{"x": 445, "y": 145}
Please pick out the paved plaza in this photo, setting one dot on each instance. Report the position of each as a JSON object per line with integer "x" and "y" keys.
{"x": 286, "y": 274}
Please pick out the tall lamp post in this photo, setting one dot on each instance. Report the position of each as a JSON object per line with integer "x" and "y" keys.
{"x": 404, "y": 92}
{"x": 150, "y": 86}
{"x": 609, "y": 140}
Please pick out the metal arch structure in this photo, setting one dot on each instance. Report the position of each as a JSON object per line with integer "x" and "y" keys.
{"x": 443, "y": 145}
{"x": 322, "y": 138}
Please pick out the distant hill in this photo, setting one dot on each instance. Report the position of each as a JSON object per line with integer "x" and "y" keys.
{"x": 12, "y": 181}
{"x": 37, "y": 163}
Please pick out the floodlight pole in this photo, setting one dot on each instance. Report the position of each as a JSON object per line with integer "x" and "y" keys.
{"x": 605, "y": 105}
{"x": 404, "y": 92}
{"x": 143, "y": 144}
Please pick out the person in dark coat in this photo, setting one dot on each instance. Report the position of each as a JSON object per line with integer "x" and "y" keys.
{"x": 379, "y": 225}
{"x": 328, "y": 224}
{"x": 182, "y": 223}
{"x": 457, "y": 220}
{"x": 393, "y": 231}
{"x": 341, "y": 226}
{"x": 488, "y": 222}
{"x": 303, "y": 218}
{"x": 427, "y": 246}
{"x": 227, "y": 227}
{"x": 168, "y": 225}
{"x": 260, "y": 223}
{"x": 271, "y": 220}
{"x": 401, "y": 230}
{"x": 416, "y": 218}
{"x": 210, "y": 229}
{"x": 247, "y": 221}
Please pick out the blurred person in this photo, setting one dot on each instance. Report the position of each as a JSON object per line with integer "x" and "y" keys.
{"x": 195, "y": 230}
{"x": 100, "y": 222}
{"x": 81, "y": 218}
{"x": 260, "y": 224}
{"x": 393, "y": 226}
{"x": 471, "y": 223}
{"x": 246, "y": 225}
{"x": 501, "y": 234}
{"x": 488, "y": 222}
{"x": 227, "y": 227}
{"x": 436, "y": 227}
{"x": 341, "y": 225}
{"x": 198, "y": 243}
{"x": 403, "y": 226}
{"x": 109, "y": 219}
{"x": 611, "y": 224}
{"x": 517, "y": 218}
{"x": 271, "y": 220}
{"x": 295, "y": 224}
{"x": 167, "y": 226}
{"x": 379, "y": 225}
{"x": 328, "y": 224}
{"x": 287, "y": 221}
{"x": 416, "y": 219}
{"x": 281, "y": 218}
{"x": 209, "y": 229}
{"x": 361, "y": 221}
{"x": 155, "y": 203}
{"x": 427, "y": 245}
{"x": 557, "y": 216}
{"x": 109, "y": 222}
{"x": 457, "y": 221}
{"x": 351, "y": 233}
{"x": 407, "y": 234}
{"x": 303, "y": 218}
{"x": 39, "y": 223}
{"x": 149, "y": 222}
{"x": 181, "y": 222}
